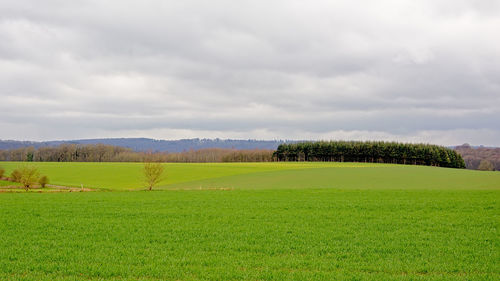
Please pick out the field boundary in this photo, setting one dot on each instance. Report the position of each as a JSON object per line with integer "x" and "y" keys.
{"x": 48, "y": 188}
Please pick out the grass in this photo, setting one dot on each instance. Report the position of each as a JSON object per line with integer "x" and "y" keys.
{"x": 309, "y": 234}
{"x": 312, "y": 221}
{"x": 123, "y": 176}
{"x": 8, "y": 183}
{"x": 383, "y": 177}
{"x": 128, "y": 176}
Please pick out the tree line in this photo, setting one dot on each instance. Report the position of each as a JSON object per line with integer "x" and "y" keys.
{"x": 370, "y": 151}
{"x": 110, "y": 153}
{"x": 480, "y": 158}
{"x": 340, "y": 151}
{"x": 28, "y": 176}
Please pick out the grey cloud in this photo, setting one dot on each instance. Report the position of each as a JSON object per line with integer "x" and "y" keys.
{"x": 397, "y": 67}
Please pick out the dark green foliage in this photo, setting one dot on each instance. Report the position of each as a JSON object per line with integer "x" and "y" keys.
{"x": 2, "y": 171}
{"x": 29, "y": 157}
{"x": 372, "y": 152}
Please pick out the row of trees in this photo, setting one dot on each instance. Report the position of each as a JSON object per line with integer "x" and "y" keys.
{"x": 480, "y": 158}
{"x": 69, "y": 153}
{"x": 109, "y": 153}
{"x": 28, "y": 176}
{"x": 373, "y": 152}
{"x": 341, "y": 151}
{"x": 221, "y": 155}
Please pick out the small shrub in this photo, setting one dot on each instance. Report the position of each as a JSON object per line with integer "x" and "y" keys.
{"x": 486, "y": 165}
{"x": 29, "y": 176}
{"x": 15, "y": 176}
{"x": 2, "y": 171}
{"x": 43, "y": 181}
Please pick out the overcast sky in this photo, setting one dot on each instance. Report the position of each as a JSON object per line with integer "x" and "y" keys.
{"x": 405, "y": 70}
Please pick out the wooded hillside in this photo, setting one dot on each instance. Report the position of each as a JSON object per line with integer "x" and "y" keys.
{"x": 109, "y": 153}
{"x": 474, "y": 155}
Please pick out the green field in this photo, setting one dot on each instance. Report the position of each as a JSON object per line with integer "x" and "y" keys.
{"x": 9, "y": 183}
{"x": 264, "y": 221}
{"x": 125, "y": 176}
{"x": 128, "y": 176}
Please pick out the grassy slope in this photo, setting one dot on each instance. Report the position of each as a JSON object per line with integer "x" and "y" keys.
{"x": 123, "y": 176}
{"x": 381, "y": 177}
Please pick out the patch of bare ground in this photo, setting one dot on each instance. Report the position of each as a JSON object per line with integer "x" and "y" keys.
{"x": 47, "y": 188}
{"x": 70, "y": 189}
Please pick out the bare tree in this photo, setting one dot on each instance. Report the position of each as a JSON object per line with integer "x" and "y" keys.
{"x": 486, "y": 165}
{"x": 29, "y": 176}
{"x": 153, "y": 172}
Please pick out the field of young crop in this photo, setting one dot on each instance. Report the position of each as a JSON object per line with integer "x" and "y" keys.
{"x": 129, "y": 176}
{"x": 9, "y": 183}
{"x": 263, "y": 221}
{"x": 126, "y": 176}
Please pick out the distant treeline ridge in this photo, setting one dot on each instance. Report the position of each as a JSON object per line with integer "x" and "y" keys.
{"x": 145, "y": 144}
{"x": 340, "y": 151}
{"x": 110, "y": 153}
{"x": 370, "y": 151}
{"x": 474, "y": 156}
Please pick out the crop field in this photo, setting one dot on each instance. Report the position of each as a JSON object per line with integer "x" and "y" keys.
{"x": 126, "y": 176}
{"x": 262, "y": 221}
{"x": 8, "y": 183}
{"x": 287, "y": 175}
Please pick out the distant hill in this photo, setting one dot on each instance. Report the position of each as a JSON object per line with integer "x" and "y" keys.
{"x": 471, "y": 154}
{"x": 145, "y": 144}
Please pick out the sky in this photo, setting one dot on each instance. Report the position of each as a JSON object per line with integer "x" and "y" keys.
{"x": 401, "y": 70}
